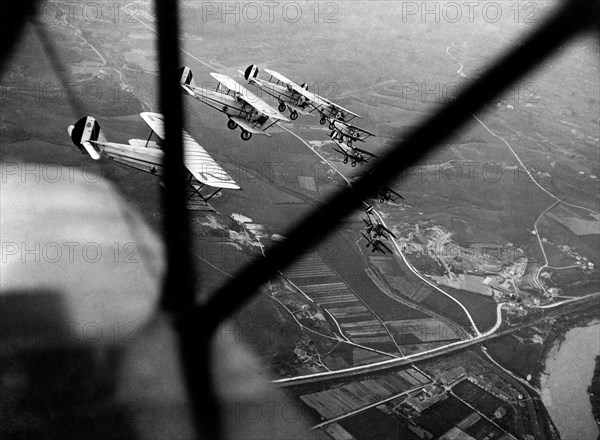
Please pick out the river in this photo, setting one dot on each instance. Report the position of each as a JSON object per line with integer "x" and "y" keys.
{"x": 570, "y": 368}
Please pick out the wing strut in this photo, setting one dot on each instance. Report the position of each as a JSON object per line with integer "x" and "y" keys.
{"x": 149, "y": 137}
{"x": 196, "y": 191}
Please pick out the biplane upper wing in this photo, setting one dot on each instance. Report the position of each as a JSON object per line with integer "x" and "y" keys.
{"x": 199, "y": 163}
{"x": 327, "y": 102}
{"x": 352, "y": 131}
{"x": 249, "y": 97}
{"x": 368, "y": 153}
{"x": 262, "y": 84}
{"x": 394, "y": 192}
{"x": 279, "y": 77}
{"x": 315, "y": 100}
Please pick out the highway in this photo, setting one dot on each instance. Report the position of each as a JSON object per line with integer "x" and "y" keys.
{"x": 364, "y": 371}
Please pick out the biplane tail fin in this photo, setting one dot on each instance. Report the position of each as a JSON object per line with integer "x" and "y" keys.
{"x": 251, "y": 72}
{"x": 87, "y": 135}
{"x": 186, "y": 77}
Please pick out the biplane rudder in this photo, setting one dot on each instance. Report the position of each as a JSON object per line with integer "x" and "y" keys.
{"x": 251, "y": 72}
{"x": 87, "y": 135}
{"x": 186, "y": 77}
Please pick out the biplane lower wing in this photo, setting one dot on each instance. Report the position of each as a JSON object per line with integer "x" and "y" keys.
{"x": 248, "y": 126}
{"x": 298, "y": 109}
{"x": 196, "y": 159}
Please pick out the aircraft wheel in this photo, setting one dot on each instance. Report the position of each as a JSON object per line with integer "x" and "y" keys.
{"x": 281, "y": 106}
{"x": 353, "y": 164}
{"x": 246, "y": 135}
{"x": 346, "y": 160}
{"x": 294, "y": 115}
{"x": 322, "y": 121}
{"x": 381, "y": 200}
{"x": 331, "y": 125}
{"x": 231, "y": 124}
{"x": 349, "y": 143}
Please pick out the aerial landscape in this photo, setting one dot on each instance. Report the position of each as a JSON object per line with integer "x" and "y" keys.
{"x": 439, "y": 311}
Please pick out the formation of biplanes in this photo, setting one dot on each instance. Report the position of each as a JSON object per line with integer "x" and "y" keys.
{"x": 252, "y": 115}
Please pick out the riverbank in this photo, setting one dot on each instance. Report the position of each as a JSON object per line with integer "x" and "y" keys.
{"x": 525, "y": 351}
{"x": 561, "y": 326}
{"x": 569, "y": 368}
{"x": 594, "y": 393}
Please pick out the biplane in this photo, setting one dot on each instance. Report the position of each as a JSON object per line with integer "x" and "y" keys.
{"x": 331, "y": 111}
{"x": 377, "y": 245}
{"x": 243, "y": 108}
{"x": 377, "y": 229}
{"x": 290, "y": 95}
{"x": 147, "y": 155}
{"x": 297, "y": 97}
{"x": 352, "y": 154}
{"x": 386, "y": 194}
{"x": 348, "y": 133}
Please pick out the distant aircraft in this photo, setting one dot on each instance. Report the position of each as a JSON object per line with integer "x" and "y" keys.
{"x": 297, "y": 97}
{"x": 244, "y": 108}
{"x": 289, "y": 94}
{"x": 377, "y": 245}
{"x": 348, "y": 133}
{"x": 376, "y": 228}
{"x": 147, "y": 155}
{"x": 352, "y": 154}
{"x": 386, "y": 194}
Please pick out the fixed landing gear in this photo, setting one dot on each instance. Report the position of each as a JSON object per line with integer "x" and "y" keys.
{"x": 349, "y": 143}
{"x": 331, "y": 125}
{"x": 294, "y": 115}
{"x": 281, "y": 106}
{"x": 353, "y": 163}
{"x": 322, "y": 121}
{"x": 231, "y": 124}
{"x": 345, "y": 160}
{"x": 246, "y": 135}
